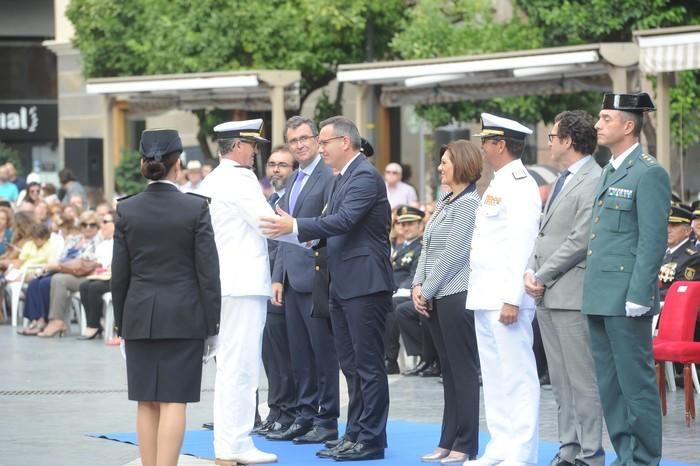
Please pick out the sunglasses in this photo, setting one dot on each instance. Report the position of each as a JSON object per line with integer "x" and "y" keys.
{"x": 88, "y": 225}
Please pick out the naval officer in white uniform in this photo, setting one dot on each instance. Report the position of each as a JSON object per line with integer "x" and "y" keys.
{"x": 237, "y": 203}
{"x": 506, "y": 226}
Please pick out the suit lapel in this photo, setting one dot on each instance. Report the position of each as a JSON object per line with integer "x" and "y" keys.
{"x": 570, "y": 186}
{"x": 313, "y": 178}
{"x": 343, "y": 180}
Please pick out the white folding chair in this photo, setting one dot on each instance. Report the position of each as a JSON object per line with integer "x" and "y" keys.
{"x": 77, "y": 310}
{"x": 14, "y": 288}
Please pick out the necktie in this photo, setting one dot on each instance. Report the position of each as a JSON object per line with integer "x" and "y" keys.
{"x": 294, "y": 195}
{"x": 272, "y": 200}
{"x": 558, "y": 185}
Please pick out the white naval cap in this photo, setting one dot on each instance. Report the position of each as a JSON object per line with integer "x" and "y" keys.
{"x": 245, "y": 129}
{"x": 494, "y": 126}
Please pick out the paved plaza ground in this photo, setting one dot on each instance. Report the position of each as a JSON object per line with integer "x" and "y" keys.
{"x": 54, "y": 391}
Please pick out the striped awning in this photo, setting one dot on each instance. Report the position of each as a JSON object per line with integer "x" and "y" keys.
{"x": 669, "y": 52}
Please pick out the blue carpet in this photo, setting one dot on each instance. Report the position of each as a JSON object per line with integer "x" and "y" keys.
{"x": 407, "y": 441}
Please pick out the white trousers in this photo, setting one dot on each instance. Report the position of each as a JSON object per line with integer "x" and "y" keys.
{"x": 237, "y": 373}
{"x": 511, "y": 386}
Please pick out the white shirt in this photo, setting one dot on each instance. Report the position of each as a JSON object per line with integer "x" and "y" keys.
{"x": 617, "y": 161}
{"x": 401, "y": 194}
{"x": 507, "y": 223}
{"x": 677, "y": 246}
{"x": 345, "y": 168}
{"x": 575, "y": 167}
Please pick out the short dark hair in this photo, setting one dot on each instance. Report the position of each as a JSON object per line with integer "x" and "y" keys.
{"x": 66, "y": 175}
{"x": 344, "y": 127}
{"x": 515, "y": 147}
{"x": 296, "y": 121}
{"x": 579, "y": 126}
{"x": 637, "y": 119}
{"x": 156, "y": 170}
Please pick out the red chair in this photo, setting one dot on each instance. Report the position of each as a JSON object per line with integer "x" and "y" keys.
{"x": 674, "y": 341}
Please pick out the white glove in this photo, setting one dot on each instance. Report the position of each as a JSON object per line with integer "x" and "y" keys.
{"x": 122, "y": 348}
{"x": 211, "y": 345}
{"x": 635, "y": 310}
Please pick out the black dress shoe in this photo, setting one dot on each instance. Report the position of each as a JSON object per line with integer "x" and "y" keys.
{"x": 208, "y": 425}
{"x": 264, "y": 428}
{"x": 432, "y": 370}
{"x": 295, "y": 430}
{"x": 275, "y": 427}
{"x": 559, "y": 461}
{"x": 334, "y": 443}
{"x": 317, "y": 434}
{"x": 339, "y": 447}
{"x": 419, "y": 367}
{"x": 392, "y": 367}
{"x": 360, "y": 452}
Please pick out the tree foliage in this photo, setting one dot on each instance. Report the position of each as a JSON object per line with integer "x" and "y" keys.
{"x": 127, "y": 175}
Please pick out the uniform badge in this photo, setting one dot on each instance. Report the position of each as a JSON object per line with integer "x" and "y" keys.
{"x": 620, "y": 192}
{"x": 668, "y": 272}
{"x": 691, "y": 251}
{"x": 407, "y": 258}
{"x": 490, "y": 199}
{"x": 689, "y": 273}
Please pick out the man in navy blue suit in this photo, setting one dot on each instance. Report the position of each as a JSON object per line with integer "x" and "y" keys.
{"x": 355, "y": 226}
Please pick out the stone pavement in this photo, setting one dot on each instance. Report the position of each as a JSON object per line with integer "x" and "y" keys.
{"x": 54, "y": 391}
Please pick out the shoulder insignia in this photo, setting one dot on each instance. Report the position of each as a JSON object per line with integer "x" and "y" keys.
{"x": 126, "y": 197}
{"x": 689, "y": 273}
{"x": 648, "y": 160}
{"x": 519, "y": 174}
{"x": 691, "y": 251}
{"x": 208, "y": 199}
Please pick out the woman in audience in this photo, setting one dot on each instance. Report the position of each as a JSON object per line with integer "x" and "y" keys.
{"x": 41, "y": 213}
{"x": 40, "y": 290}
{"x": 21, "y": 233}
{"x": 97, "y": 284}
{"x": 5, "y": 228}
{"x": 439, "y": 293}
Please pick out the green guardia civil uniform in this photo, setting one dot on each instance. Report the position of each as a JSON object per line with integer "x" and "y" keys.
{"x": 626, "y": 247}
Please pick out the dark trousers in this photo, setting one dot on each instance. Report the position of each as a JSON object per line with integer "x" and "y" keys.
{"x": 37, "y": 298}
{"x": 358, "y": 329}
{"x": 415, "y": 333}
{"x": 278, "y": 367}
{"x": 452, "y": 328}
{"x": 314, "y": 362}
{"x": 393, "y": 333}
{"x": 538, "y": 349}
{"x": 624, "y": 365}
{"x": 91, "y": 292}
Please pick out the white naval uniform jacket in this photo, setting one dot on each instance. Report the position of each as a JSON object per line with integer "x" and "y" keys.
{"x": 237, "y": 203}
{"x": 507, "y": 223}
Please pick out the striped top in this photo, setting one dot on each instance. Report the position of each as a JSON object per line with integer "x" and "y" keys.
{"x": 443, "y": 267}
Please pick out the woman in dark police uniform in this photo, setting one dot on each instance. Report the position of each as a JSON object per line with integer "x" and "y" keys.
{"x": 166, "y": 295}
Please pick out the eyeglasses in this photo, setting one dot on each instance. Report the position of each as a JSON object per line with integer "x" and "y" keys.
{"x": 492, "y": 140}
{"x": 301, "y": 140}
{"x": 106, "y": 221}
{"x": 280, "y": 165}
{"x": 323, "y": 143}
{"x": 392, "y": 172}
{"x": 551, "y": 136}
{"x": 246, "y": 141}
{"x": 88, "y": 225}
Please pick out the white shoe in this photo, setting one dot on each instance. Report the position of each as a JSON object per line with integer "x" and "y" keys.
{"x": 252, "y": 456}
{"x": 483, "y": 461}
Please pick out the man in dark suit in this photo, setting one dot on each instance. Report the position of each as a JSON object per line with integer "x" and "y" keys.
{"x": 404, "y": 260}
{"x": 682, "y": 259}
{"x": 356, "y": 229}
{"x": 620, "y": 287}
{"x": 311, "y": 351}
{"x": 281, "y": 396}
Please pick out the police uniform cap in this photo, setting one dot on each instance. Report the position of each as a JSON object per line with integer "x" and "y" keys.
{"x": 406, "y": 213}
{"x": 695, "y": 208}
{"x": 155, "y": 143}
{"x": 680, "y": 214}
{"x": 194, "y": 165}
{"x": 635, "y": 103}
{"x": 366, "y": 148}
{"x": 493, "y": 126}
{"x": 245, "y": 129}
